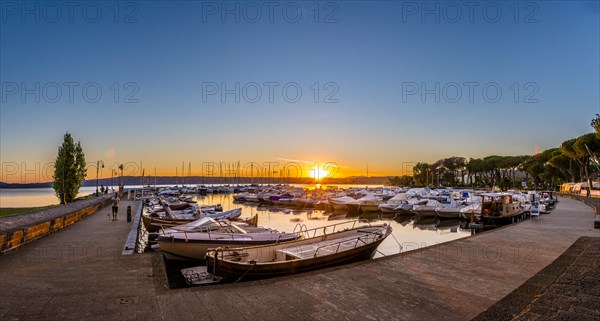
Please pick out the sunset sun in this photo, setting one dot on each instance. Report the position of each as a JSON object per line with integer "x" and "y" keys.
{"x": 318, "y": 173}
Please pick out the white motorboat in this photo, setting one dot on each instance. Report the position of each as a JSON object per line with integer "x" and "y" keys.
{"x": 344, "y": 203}
{"x": 251, "y": 198}
{"x": 191, "y": 241}
{"x": 393, "y": 203}
{"x": 227, "y": 215}
{"x": 450, "y": 211}
{"x": 428, "y": 209}
{"x": 369, "y": 203}
{"x": 470, "y": 210}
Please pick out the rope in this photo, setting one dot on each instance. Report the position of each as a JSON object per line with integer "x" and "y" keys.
{"x": 400, "y": 245}
{"x": 243, "y": 275}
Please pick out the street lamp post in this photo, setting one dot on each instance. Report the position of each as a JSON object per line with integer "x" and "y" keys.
{"x": 97, "y": 171}
{"x": 112, "y": 174}
{"x": 121, "y": 178}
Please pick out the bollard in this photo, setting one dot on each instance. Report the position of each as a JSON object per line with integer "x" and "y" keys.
{"x": 129, "y": 213}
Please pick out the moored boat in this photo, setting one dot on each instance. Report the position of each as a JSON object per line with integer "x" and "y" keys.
{"x": 500, "y": 209}
{"x": 369, "y": 203}
{"x": 153, "y": 223}
{"x": 328, "y": 250}
{"x": 451, "y": 210}
{"x": 191, "y": 241}
{"x": 344, "y": 203}
{"x": 428, "y": 209}
{"x": 392, "y": 204}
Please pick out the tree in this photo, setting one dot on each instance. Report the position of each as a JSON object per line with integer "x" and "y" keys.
{"x": 596, "y": 124}
{"x": 421, "y": 173}
{"x": 585, "y": 147}
{"x": 69, "y": 169}
{"x": 563, "y": 163}
{"x": 405, "y": 180}
{"x": 474, "y": 167}
{"x": 568, "y": 150}
{"x": 437, "y": 169}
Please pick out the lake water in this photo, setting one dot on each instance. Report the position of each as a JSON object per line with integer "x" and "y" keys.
{"x": 408, "y": 231}
{"x": 30, "y": 197}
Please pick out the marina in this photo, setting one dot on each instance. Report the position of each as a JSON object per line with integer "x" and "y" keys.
{"x": 407, "y": 230}
{"x": 450, "y": 213}
{"x": 453, "y": 280}
{"x": 299, "y": 160}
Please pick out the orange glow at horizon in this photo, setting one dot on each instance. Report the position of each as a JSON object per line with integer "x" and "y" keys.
{"x": 318, "y": 173}
{"x": 41, "y": 172}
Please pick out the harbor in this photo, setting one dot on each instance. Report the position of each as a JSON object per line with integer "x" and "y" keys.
{"x": 454, "y": 280}
{"x": 299, "y": 160}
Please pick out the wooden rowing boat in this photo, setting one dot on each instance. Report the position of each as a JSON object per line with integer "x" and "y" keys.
{"x": 328, "y": 250}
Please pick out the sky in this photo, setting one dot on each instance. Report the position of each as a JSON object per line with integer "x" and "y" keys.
{"x": 349, "y": 84}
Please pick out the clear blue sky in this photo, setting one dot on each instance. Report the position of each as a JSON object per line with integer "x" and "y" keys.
{"x": 372, "y": 51}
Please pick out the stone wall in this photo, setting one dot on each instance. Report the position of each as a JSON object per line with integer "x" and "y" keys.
{"x": 39, "y": 224}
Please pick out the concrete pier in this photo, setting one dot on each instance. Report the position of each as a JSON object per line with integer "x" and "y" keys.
{"x": 79, "y": 273}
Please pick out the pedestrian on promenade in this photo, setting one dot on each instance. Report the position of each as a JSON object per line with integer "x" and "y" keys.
{"x": 115, "y": 207}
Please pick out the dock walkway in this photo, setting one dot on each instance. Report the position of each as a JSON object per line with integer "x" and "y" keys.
{"x": 79, "y": 273}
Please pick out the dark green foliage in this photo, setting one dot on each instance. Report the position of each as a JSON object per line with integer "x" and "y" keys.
{"x": 69, "y": 169}
{"x": 596, "y": 124}
{"x": 405, "y": 180}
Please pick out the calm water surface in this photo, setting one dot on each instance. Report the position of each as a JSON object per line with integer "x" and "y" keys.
{"x": 408, "y": 232}
{"x": 30, "y": 197}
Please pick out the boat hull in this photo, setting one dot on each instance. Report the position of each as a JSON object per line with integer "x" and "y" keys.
{"x": 426, "y": 212}
{"x": 233, "y": 271}
{"x": 338, "y": 207}
{"x": 369, "y": 208}
{"x": 154, "y": 224}
{"x": 388, "y": 209}
{"x": 454, "y": 213}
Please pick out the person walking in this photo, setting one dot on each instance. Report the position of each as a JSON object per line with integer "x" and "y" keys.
{"x": 115, "y": 207}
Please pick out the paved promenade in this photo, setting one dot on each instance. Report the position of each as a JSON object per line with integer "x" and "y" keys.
{"x": 79, "y": 273}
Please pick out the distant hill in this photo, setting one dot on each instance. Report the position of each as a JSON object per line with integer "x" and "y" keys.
{"x": 31, "y": 185}
{"x": 198, "y": 180}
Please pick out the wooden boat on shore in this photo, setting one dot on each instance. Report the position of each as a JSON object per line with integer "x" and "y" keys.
{"x": 307, "y": 254}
